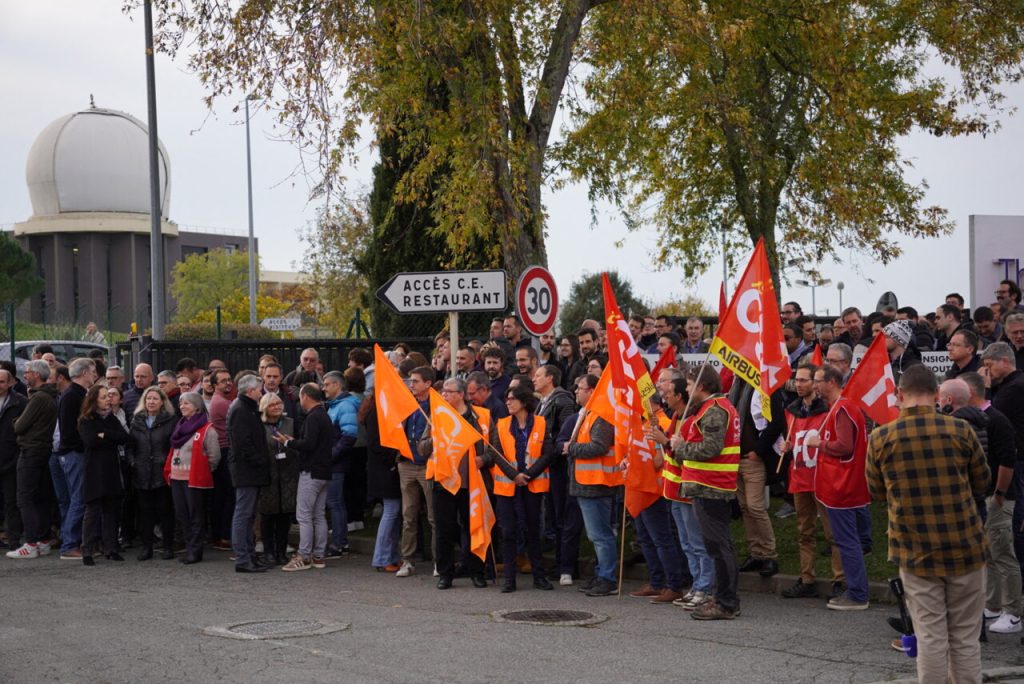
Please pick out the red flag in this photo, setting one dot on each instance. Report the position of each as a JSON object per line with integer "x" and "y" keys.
{"x": 749, "y": 338}
{"x": 816, "y": 356}
{"x": 632, "y": 391}
{"x": 872, "y": 385}
{"x": 481, "y": 514}
{"x": 452, "y": 436}
{"x": 395, "y": 403}
{"x": 667, "y": 359}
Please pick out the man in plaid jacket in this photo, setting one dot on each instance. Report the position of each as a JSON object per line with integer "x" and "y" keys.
{"x": 930, "y": 468}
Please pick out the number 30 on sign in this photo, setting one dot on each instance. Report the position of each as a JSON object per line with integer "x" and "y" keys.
{"x": 537, "y": 300}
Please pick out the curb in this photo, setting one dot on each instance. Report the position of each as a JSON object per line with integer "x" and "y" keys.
{"x": 995, "y": 674}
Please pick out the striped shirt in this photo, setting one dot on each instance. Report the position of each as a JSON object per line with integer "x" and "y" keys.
{"x": 929, "y": 468}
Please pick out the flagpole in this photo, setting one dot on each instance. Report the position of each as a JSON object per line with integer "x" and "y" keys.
{"x": 622, "y": 544}
{"x": 689, "y": 399}
{"x": 789, "y": 430}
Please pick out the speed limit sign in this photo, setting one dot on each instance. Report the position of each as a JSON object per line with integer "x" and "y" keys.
{"x": 537, "y": 300}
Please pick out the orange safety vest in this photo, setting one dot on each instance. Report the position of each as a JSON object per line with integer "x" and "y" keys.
{"x": 534, "y": 444}
{"x": 722, "y": 471}
{"x": 603, "y": 470}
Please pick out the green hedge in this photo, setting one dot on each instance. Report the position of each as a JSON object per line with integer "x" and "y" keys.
{"x": 208, "y": 331}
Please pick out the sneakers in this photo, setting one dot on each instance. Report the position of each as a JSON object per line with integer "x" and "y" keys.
{"x": 800, "y": 590}
{"x": 565, "y": 580}
{"x": 684, "y": 598}
{"x": 1006, "y": 624}
{"x": 25, "y": 551}
{"x": 712, "y": 610}
{"x": 333, "y": 552}
{"x": 846, "y": 603}
{"x": 786, "y": 510}
{"x": 696, "y": 600}
{"x": 406, "y": 569}
{"x": 992, "y": 614}
{"x": 436, "y": 573}
{"x": 586, "y": 586}
{"x": 897, "y": 645}
{"x": 297, "y": 563}
{"x": 603, "y": 587}
{"x": 319, "y": 563}
{"x": 646, "y": 591}
{"x": 44, "y": 548}
{"x": 72, "y": 555}
{"x": 838, "y": 589}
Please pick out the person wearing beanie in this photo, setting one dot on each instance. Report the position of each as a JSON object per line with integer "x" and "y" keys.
{"x": 899, "y": 342}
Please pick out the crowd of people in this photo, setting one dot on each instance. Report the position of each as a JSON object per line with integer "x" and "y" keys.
{"x": 180, "y": 461}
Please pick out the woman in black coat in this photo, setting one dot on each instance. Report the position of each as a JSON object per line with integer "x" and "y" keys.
{"x": 277, "y": 500}
{"x": 382, "y": 483}
{"x": 151, "y": 427}
{"x": 101, "y": 434}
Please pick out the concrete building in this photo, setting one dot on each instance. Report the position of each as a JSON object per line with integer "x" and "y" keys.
{"x": 88, "y": 179}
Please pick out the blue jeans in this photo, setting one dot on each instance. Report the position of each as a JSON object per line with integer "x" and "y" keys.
{"x": 597, "y": 517}
{"x": 702, "y": 568}
{"x": 243, "y": 541}
{"x": 60, "y": 489}
{"x": 660, "y": 547}
{"x": 386, "y": 551}
{"x": 73, "y": 466}
{"x": 339, "y": 514}
{"x": 864, "y": 527}
{"x": 846, "y": 537}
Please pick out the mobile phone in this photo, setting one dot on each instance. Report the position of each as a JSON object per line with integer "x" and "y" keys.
{"x": 273, "y": 429}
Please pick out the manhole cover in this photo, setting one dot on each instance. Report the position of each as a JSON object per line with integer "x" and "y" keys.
{"x": 562, "y": 618}
{"x": 275, "y": 629}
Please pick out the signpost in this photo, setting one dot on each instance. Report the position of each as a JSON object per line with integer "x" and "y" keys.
{"x": 448, "y": 292}
{"x": 537, "y": 300}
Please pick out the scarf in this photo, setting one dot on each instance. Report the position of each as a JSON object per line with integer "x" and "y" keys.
{"x": 185, "y": 428}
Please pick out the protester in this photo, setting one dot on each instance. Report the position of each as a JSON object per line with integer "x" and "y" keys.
{"x": 150, "y": 430}
{"x": 937, "y": 540}
{"x": 416, "y": 489}
{"x": 100, "y": 434}
{"x": 11, "y": 406}
{"x": 277, "y": 500}
{"x": 383, "y": 482}
{"x": 249, "y": 463}
{"x": 194, "y": 455}
{"x": 70, "y": 454}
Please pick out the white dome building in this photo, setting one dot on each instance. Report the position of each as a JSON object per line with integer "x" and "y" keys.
{"x": 88, "y": 180}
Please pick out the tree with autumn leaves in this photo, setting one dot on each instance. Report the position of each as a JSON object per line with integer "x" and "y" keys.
{"x": 757, "y": 118}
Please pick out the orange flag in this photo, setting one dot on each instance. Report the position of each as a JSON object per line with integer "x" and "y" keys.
{"x": 749, "y": 340}
{"x": 873, "y": 386}
{"x": 395, "y": 403}
{"x": 453, "y": 436}
{"x": 816, "y": 356}
{"x": 633, "y": 390}
{"x": 481, "y": 515}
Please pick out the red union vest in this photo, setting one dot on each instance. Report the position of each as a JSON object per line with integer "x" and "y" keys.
{"x": 534, "y": 443}
{"x": 841, "y": 482}
{"x": 199, "y": 475}
{"x": 722, "y": 471}
{"x": 805, "y": 458}
{"x": 603, "y": 470}
{"x": 672, "y": 471}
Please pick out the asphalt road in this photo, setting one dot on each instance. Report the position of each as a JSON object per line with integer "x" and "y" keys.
{"x": 132, "y": 622}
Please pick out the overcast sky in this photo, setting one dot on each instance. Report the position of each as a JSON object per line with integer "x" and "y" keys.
{"x": 54, "y": 54}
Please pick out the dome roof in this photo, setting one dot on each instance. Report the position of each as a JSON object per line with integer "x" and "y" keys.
{"x": 94, "y": 160}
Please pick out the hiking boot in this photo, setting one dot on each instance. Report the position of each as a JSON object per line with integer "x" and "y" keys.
{"x": 712, "y": 610}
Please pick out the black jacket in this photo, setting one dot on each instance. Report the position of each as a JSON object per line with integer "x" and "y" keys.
{"x": 557, "y": 411}
{"x": 149, "y": 448}
{"x": 13, "y": 408}
{"x": 69, "y": 406}
{"x": 381, "y": 461}
{"x": 1002, "y": 449}
{"x": 249, "y": 455}
{"x": 34, "y": 427}
{"x": 315, "y": 444}
{"x": 1008, "y": 397}
{"x": 280, "y": 496}
{"x": 100, "y": 439}
{"x": 761, "y": 442}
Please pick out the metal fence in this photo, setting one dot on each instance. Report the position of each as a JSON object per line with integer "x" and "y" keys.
{"x": 242, "y": 354}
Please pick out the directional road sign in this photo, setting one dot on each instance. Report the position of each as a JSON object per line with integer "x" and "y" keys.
{"x": 445, "y": 292}
{"x": 537, "y": 300}
{"x": 281, "y": 324}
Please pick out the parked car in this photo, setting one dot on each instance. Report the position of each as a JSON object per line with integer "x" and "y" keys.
{"x": 62, "y": 349}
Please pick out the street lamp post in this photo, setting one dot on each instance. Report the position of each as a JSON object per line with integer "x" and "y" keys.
{"x": 840, "y": 287}
{"x": 814, "y": 285}
{"x": 252, "y": 238}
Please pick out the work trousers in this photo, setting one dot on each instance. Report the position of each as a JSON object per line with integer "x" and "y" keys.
{"x": 754, "y": 507}
{"x": 714, "y": 516}
{"x": 416, "y": 489}
{"x": 808, "y": 511}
